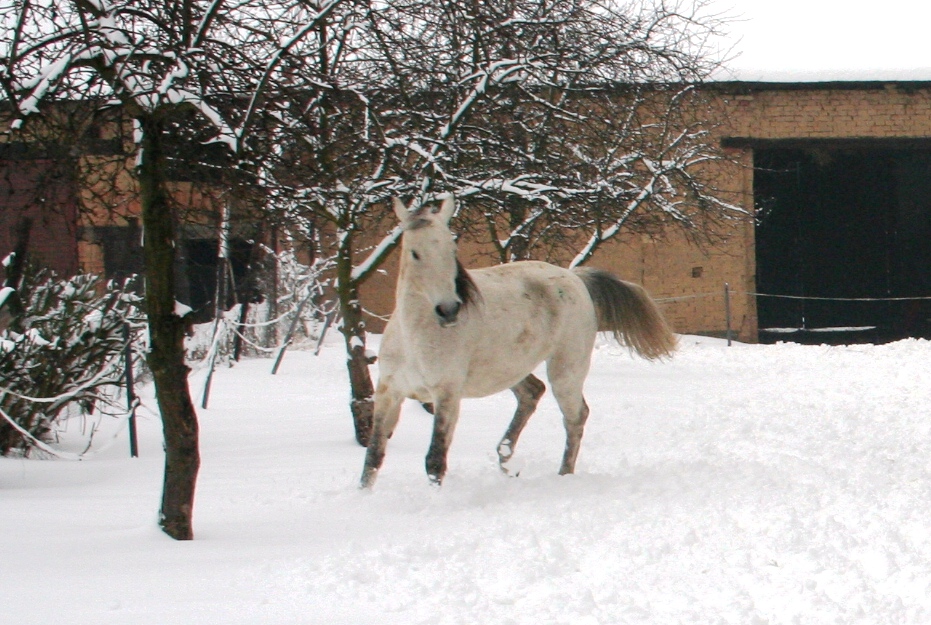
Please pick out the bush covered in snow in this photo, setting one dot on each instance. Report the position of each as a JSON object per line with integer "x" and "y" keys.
{"x": 64, "y": 352}
{"x": 296, "y": 297}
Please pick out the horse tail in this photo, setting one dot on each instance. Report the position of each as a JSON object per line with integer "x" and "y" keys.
{"x": 628, "y": 311}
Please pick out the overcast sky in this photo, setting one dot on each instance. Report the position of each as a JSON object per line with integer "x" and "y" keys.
{"x": 830, "y": 39}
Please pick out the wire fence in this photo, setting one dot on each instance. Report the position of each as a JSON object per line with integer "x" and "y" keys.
{"x": 726, "y": 293}
{"x": 119, "y": 375}
{"x": 226, "y": 326}
{"x": 795, "y": 297}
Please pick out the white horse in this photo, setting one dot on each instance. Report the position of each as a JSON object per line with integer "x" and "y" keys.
{"x": 457, "y": 333}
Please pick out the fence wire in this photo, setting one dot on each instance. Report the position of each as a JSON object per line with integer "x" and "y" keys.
{"x": 679, "y": 298}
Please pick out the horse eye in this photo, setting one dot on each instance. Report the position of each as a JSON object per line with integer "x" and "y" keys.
{"x": 415, "y": 255}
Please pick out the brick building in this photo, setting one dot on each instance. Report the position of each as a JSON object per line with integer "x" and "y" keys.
{"x": 838, "y": 175}
{"x": 841, "y": 185}
{"x": 80, "y": 203}
{"x": 36, "y": 196}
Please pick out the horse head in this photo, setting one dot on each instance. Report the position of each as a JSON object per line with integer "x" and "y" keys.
{"x": 429, "y": 267}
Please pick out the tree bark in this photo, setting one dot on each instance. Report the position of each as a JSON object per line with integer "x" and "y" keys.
{"x": 360, "y": 380}
{"x": 166, "y": 347}
{"x": 362, "y": 400}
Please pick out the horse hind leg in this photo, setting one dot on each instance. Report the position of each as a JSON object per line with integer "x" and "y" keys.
{"x": 575, "y": 420}
{"x": 568, "y": 392}
{"x": 528, "y": 392}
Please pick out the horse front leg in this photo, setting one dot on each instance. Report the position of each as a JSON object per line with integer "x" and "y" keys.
{"x": 528, "y": 393}
{"x": 385, "y": 419}
{"x": 445, "y": 417}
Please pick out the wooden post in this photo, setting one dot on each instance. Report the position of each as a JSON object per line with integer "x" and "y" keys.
{"x": 727, "y": 311}
{"x": 130, "y": 392}
{"x": 290, "y": 334}
{"x": 240, "y": 330}
{"x": 326, "y": 325}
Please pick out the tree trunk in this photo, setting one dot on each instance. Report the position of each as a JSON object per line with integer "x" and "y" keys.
{"x": 362, "y": 400}
{"x": 360, "y": 380}
{"x": 517, "y": 213}
{"x": 166, "y": 348}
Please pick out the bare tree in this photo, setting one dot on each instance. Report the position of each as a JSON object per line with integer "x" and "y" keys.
{"x": 554, "y": 118}
{"x": 162, "y": 63}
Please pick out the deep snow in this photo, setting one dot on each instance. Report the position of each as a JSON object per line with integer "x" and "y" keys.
{"x": 746, "y": 485}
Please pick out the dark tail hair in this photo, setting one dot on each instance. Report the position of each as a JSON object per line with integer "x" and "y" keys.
{"x": 627, "y": 310}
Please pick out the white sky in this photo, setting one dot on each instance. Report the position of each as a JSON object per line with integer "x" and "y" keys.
{"x": 829, "y": 39}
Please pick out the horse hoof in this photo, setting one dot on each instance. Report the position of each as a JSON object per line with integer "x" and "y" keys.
{"x": 511, "y": 467}
{"x": 509, "y": 473}
{"x": 368, "y": 480}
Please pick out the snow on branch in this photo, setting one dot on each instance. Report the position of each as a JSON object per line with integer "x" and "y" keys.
{"x": 376, "y": 256}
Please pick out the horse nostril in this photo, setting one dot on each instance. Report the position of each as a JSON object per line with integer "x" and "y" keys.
{"x": 447, "y": 312}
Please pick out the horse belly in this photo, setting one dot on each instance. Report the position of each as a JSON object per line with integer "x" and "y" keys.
{"x": 485, "y": 381}
{"x": 506, "y": 356}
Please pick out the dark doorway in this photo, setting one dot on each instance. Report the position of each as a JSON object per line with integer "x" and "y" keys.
{"x": 197, "y": 275}
{"x": 843, "y": 223}
{"x": 122, "y": 250}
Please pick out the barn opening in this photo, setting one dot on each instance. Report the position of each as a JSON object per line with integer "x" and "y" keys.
{"x": 843, "y": 240}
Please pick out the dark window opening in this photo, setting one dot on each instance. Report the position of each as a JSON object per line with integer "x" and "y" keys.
{"x": 122, "y": 250}
{"x": 843, "y": 223}
{"x": 197, "y": 284}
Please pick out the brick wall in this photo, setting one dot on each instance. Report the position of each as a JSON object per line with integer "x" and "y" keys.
{"x": 40, "y": 191}
{"x": 689, "y": 278}
{"x": 839, "y": 110}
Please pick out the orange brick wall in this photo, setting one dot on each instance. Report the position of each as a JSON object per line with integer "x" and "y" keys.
{"x": 874, "y": 110}
{"x": 688, "y": 278}
{"x": 759, "y": 112}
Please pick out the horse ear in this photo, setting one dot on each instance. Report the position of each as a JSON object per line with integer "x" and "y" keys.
{"x": 401, "y": 211}
{"x": 447, "y": 208}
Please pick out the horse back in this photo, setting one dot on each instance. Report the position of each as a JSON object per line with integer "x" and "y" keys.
{"x": 525, "y": 313}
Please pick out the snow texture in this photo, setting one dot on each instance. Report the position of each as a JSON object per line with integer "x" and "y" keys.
{"x": 181, "y": 309}
{"x": 5, "y": 293}
{"x": 753, "y": 484}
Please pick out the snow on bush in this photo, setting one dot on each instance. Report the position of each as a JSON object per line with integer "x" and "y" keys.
{"x": 63, "y": 354}
{"x": 304, "y": 307}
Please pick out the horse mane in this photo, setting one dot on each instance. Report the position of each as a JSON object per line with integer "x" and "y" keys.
{"x": 466, "y": 288}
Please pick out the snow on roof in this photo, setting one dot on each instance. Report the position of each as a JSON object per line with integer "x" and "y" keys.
{"x": 827, "y": 40}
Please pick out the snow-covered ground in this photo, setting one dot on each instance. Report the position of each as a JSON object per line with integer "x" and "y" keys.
{"x": 746, "y": 485}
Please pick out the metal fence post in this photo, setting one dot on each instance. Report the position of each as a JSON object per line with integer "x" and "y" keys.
{"x": 130, "y": 392}
{"x": 290, "y": 334}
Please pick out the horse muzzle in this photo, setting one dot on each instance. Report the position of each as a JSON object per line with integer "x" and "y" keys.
{"x": 447, "y": 313}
